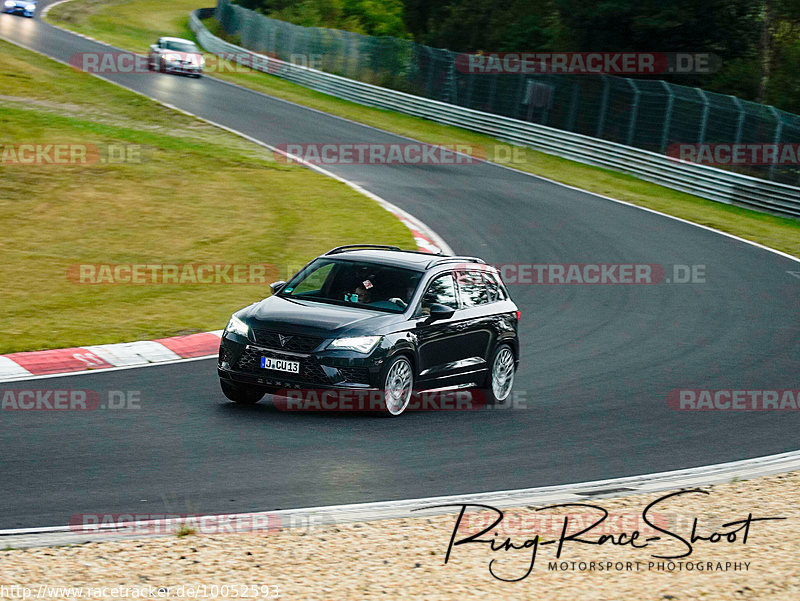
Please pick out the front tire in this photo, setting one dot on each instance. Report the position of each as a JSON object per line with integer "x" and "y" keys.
{"x": 398, "y": 386}
{"x": 241, "y": 395}
{"x": 500, "y": 379}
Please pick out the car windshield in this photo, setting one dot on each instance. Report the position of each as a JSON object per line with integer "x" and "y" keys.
{"x": 354, "y": 283}
{"x": 180, "y": 46}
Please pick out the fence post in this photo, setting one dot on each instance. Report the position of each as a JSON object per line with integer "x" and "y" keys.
{"x": 343, "y": 55}
{"x": 573, "y": 106}
{"x": 520, "y": 96}
{"x": 634, "y": 111}
{"x": 667, "y": 116}
{"x": 271, "y": 31}
{"x": 450, "y": 91}
{"x": 429, "y": 78}
{"x": 776, "y": 139}
{"x": 244, "y": 21}
{"x": 469, "y": 78}
{"x": 373, "y": 43}
{"x": 492, "y": 89}
{"x": 354, "y": 58}
{"x": 335, "y": 64}
{"x": 291, "y": 42}
{"x": 740, "y": 122}
{"x": 253, "y": 31}
{"x": 703, "y": 124}
{"x": 308, "y": 36}
{"x": 601, "y": 117}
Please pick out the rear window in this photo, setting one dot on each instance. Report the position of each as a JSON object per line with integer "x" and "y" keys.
{"x": 494, "y": 288}
{"x": 472, "y": 287}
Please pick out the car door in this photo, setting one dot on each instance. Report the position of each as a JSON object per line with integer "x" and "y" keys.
{"x": 477, "y": 317}
{"x": 442, "y": 355}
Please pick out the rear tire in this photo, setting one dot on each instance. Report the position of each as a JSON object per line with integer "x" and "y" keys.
{"x": 500, "y": 379}
{"x": 241, "y": 395}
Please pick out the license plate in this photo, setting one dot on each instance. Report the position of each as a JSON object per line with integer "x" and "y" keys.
{"x": 280, "y": 365}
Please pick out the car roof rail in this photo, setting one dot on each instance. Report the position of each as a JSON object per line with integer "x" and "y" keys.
{"x": 424, "y": 252}
{"x": 436, "y": 262}
{"x": 347, "y": 247}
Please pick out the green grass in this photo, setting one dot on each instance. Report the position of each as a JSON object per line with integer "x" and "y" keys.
{"x": 198, "y": 195}
{"x": 134, "y": 24}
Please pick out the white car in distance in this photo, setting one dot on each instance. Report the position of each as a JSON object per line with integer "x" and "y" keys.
{"x": 176, "y": 55}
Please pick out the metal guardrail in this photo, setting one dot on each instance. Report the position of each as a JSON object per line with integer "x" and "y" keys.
{"x": 701, "y": 180}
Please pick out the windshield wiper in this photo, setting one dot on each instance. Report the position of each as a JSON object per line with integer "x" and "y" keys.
{"x": 339, "y": 303}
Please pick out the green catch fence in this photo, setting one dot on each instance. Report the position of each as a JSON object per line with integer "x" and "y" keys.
{"x": 644, "y": 113}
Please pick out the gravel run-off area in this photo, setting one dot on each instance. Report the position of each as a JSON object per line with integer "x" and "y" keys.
{"x": 405, "y": 558}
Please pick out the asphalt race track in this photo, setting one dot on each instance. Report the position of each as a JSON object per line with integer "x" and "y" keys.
{"x": 597, "y": 363}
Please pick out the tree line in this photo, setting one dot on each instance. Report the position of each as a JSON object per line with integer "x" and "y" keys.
{"x": 758, "y": 41}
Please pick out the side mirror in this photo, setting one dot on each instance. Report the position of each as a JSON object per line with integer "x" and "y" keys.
{"x": 440, "y": 312}
{"x": 277, "y": 286}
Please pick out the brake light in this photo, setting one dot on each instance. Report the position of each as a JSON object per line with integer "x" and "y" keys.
{"x": 519, "y": 315}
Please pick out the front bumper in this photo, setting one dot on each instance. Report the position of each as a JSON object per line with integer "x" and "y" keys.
{"x": 182, "y": 69}
{"x": 239, "y": 361}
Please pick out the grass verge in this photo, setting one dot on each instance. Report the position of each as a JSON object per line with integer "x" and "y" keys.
{"x": 134, "y": 24}
{"x": 187, "y": 192}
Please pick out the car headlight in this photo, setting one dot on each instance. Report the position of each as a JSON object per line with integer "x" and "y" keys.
{"x": 361, "y": 344}
{"x": 237, "y": 326}
{"x": 10, "y": 4}
{"x": 30, "y": 7}
{"x": 202, "y": 61}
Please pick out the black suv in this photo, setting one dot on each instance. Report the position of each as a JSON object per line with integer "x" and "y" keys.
{"x": 376, "y": 318}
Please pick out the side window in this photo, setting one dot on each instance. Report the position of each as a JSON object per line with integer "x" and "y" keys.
{"x": 472, "y": 287}
{"x": 441, "y": 290}
{"x": 493, "y": 288}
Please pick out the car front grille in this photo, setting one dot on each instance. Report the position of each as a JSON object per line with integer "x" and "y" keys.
{"x": 292, "y": 343}
{"x": 310, "y": 370}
